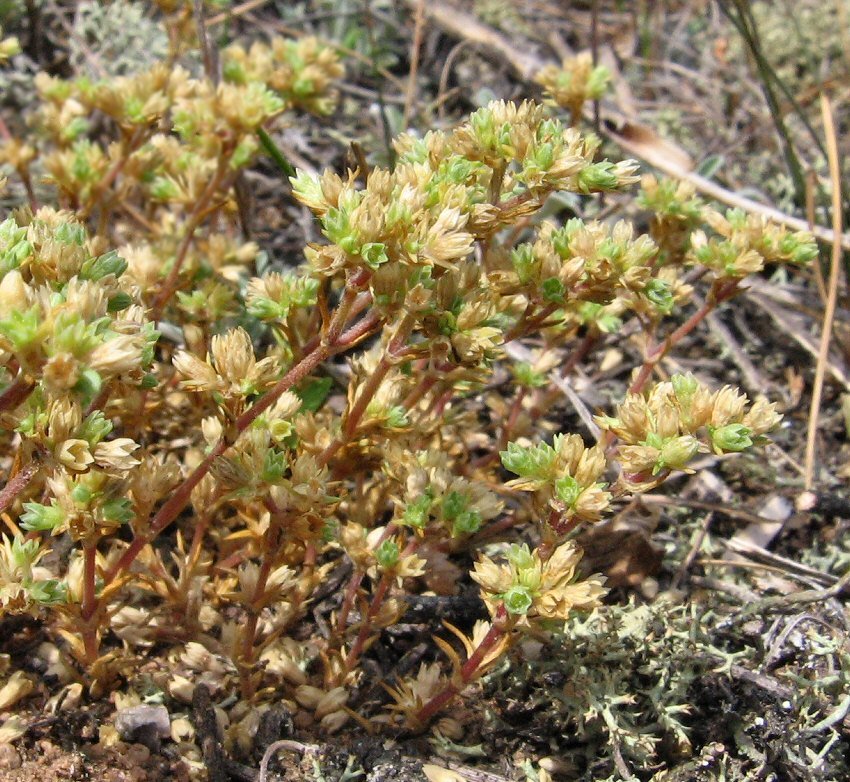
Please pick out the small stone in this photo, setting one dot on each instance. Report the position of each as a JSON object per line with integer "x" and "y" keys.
{"x": 9, "y": 757}
{"x": 143, "y": 725}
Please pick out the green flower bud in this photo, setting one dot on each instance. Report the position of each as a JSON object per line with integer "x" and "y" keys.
{"x": 659, "y": 293}
{"x": 118, "y": 510}
{"x": 274, "y": 466}
{"x": 387, "y": 554}
{"x": 568, "y": 490}
{"x": 598, "y": 176}
{"x": 82, "y": 494}
{"x": 94, "y": 428}
{"x": 522, "y": 258}
{"x": 103, "y": 266}
{"x": 553, "y": 290}
{"x": 397, "y": 417}
{"x": 49, "y": 592}
{"x": 519, "y": 556}
{"x": 518, "y": 600}
{"x": 731, "y": 438}
{"x": 467, "y": 523}
{"x": 24, "y": 552}
{"x": 21, "y": 328}
{"x": 677, "y": 452}
{"x": 533, "y": 462}
{"x": 454, "y": 503}
{"x": 526, "y": 377}
{"x": 120, "y": 301}
{"x": 266, "y": 309}
{"x": 417, "y": 513}
{"x": 684, "y": 386}
{"x": 374, "y": 254}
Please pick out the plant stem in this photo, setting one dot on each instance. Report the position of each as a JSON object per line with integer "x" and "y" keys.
{"x": 469, "y": 670}
{"x": 16, "y": 484}
{"x": 722, "y": 291}
{"x": 182, "y": 494}
{"x": 374, "y": 606}
{"x": 245, "y": 658}
{"x": 391, "y": 356}
{"x": 348, "y": 600}
{"x": 195, "y": 219}
{"x": 16, "y": 393}
{"x": 366, "y": 625}
{"x": 89, "y": 604}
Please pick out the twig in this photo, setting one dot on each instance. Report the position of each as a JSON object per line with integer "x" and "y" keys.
{"x": 832, "y": 298}
{"x": 694, "y": 550}
{"x": 783, "y": 319}
{"x": 802, "y": 597}
{"x": 752, "y": 378}
{"x": 206, "y": 726}
{"x": 208, "y": 51}
{"x": 273, "y": 749}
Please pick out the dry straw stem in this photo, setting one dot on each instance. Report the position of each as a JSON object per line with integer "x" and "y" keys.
{"x": 832, "y": 297}
{"x": 638, "y": 140}
{"x": 419, "y": 26}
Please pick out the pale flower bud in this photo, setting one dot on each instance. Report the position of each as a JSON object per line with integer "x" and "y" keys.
{"x": 75, "y": 454}
{"x": 13, "y": 292}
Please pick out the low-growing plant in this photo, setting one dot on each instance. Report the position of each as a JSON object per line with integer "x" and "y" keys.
{"x": 171, "y": 409}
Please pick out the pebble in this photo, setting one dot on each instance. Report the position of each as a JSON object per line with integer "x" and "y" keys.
{"x": 143, "y": 725}
{"x": 9, "y": 757}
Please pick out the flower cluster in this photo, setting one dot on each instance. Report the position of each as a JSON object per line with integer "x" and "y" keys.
{"x": 574, "y": 83}
{"x": 564, "y": 476}
{"x": 745, "y": 243}
{"x": 530, "y": 588}
{"x": 667, "y": 427}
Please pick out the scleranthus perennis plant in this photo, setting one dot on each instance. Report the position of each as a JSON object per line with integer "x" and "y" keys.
{"x": 214, "y": 442}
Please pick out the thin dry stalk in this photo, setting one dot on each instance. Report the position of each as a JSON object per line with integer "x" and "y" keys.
{"x": 832, "y": 297}
{"x": 419, "y": 26}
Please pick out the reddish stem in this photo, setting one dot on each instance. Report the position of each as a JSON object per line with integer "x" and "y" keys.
{"x": 348, "y": 599}
{"x": 366, "y": 624}
{"x": 181, "y": 496}
{"x": 195, "y": 219}
{"x": 469, "y": 670}
{"x": 720, "y": 293}
{"x": 249, "y": 632}
{"x": 370, "y": 388}
{"x": 16, "y": 393}
{"x": 88, "y": 608}
{"x": 16, "y": 484}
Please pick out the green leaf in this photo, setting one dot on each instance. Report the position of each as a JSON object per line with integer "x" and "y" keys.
{"x": 313, "y": 394}
{"x": 40, "y": 517}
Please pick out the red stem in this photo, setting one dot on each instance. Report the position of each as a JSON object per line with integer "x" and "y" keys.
{"x": 16, "y": 484}
{"x": 88, "y": 608}
{"x": 181, "y": 496}
{"x": 721, "y": 292}
{"x": 469, "y": 669}
{"x": 193, "y": 224}
{"x": 16, "y": 393}
{"x": 249, "y": 631}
